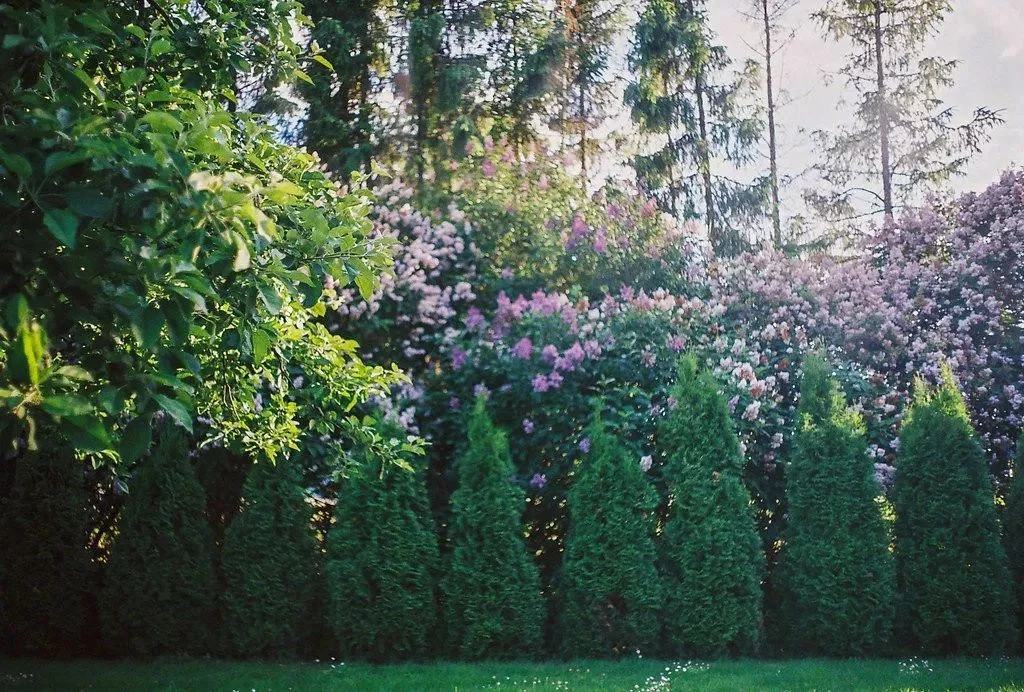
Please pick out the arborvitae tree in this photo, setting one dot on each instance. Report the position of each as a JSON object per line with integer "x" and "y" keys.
{"x": 610, "y": 593}
{"x": 904, "y": 138}
{"x": 46, "y": 573}
{"x": 684, "y": 98}
{"x": 161, "y": 591}
{"x": 1013, "y": 530}
{"x": 835, "y": 573}
{"x": 269, "y": 564}
{"x": 344, "y": 120}
{"x": 955, "y": 589}
{"x": 381, "y": 565}
{"x": 710, "y": 554}
{"x": 492, "y": 598}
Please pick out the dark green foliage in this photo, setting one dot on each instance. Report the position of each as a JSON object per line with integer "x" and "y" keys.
{"x": 956, "y": 594}
{"x": 381, "y": 566}
{"x": 1013, "y": 530}
{"x": 710, "y": 554}
{"x": 610, "y": 593}
{"x": 46, "y": 570}
{"x": 269, "y": 564}
{"x": 161, "y": 589}
{"x": 836, "y": 573}
{"x": 492, "y": 599}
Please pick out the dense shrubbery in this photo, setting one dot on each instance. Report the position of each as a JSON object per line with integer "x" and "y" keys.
{"x": 269, "y": 562}
{"x": 491, "y": 594}
{"x": 711, "y": 559}
{"x": 955, "y": 590}
{"x": 160, "y": 595}
{"x": 835, "y": 572}
{"x": 609, "y": 597}
{"x": 46, "y": 577}
{"x": 381, "y": 563}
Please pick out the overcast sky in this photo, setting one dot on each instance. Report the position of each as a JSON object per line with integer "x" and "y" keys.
{"x": 985, "y": 36}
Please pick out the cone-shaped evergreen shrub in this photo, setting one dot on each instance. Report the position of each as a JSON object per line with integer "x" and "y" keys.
{"x": 269, "y": 564}
{"x": 955, "y": 588}
{"x": 382, "y": 565}
{"x": 46, "y": 565}
{"x": 610, "y": 593}
{"x": 710, "y": 553}
{"x": 836, "y": 573}
{"x": 161, "y": 590}
{"x": 1013, "y": 530}
{"x": 492, "y": 598}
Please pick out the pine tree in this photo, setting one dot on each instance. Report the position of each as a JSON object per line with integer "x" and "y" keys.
{"x": 46, "y": 572}
{"x": 269, "y": 564}
{"x": 161, "y": 590}
{"x": 904, "y": 139}
{"x": 589, "y": 30}
{"x": 382, "y": 564}
{"x": 492, "y": 598}
{"x": 835, "y": 571}
{"x": 344, "y": 120}
{"x": 610, "y": 593}
{"x": 710, "y": 554}
{"x": 1013, "y": 530}
{"x": 684, "y": 100}
{"x": 955, "y": 589}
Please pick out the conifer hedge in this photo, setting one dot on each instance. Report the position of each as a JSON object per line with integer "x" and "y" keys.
{"x": 491, "y": 590}
{"x": 1013, "y": 530}
{"x": 269, "y": 564}
{"x": 835, "y": 574}
{"x": 46, "y": 573}
{"x": 381, "y": 566}
{"x": 710, "y": 554}
{"x": 610, "y": 592}
{"x": 161, "y": 590}
{"x": 956, "y": 594}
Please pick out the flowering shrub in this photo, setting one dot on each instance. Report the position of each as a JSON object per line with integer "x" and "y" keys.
{"x": 548, "y": 324}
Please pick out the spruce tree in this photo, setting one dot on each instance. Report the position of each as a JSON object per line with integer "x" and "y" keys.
{"x": 835, "y": 572}
{"x": 269, "y": 564}
{"x": 610, "y": 592}
{"x": 161, "y": 589}
{"x": 382, "y": 564}
{"x": 1013, "y": 530}
{"x": 904, "y": 139}
{"x": 710, "y": 554}
{"x": 492, "y": 598}
{"x": 46, "y": 572}
{"x": 685, "y": 101}
{"x": 955, "y": 589}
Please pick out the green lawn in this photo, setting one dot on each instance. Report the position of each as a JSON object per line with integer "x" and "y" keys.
{"x": 637, "y": 675}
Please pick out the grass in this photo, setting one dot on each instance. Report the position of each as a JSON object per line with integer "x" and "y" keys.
{"x": 626, "y": 676}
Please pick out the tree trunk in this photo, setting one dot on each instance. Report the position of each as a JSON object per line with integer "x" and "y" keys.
{"x": 883, "y": 115}
{"x": 772, "y": 149}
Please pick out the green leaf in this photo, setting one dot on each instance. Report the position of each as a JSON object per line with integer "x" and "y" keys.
{"x": 176, "y": 410}
{"x": 19, "y": 165}
{"x": 16, "y": 313}
{"x": 303, "y": 76}
{"x": 130, "y": 78}
{"x": 324, "y": 61}
{"x": 365, "y": 282}
{"x": 25, "y": 354}
{"x": 88, "y": 82}
{"x": 270, "y": 298}
{"x": 13, "y": 41}
{"x": 74, "y": 372}
{"x": 136, "y": 438}
{"x": 88, "y": 433}
{"x": 242, "y": 256}
{"x": 87, "y": 202}
{"x": 63, "y": 224}
{"x": 148, "y": 331}
{"x": 67, "y": 405}
{"x": 59, "y": 160}
{"x": 260, "y": 345}
{"x": 159, "y": 47}
{"x": 162, "y": 121}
